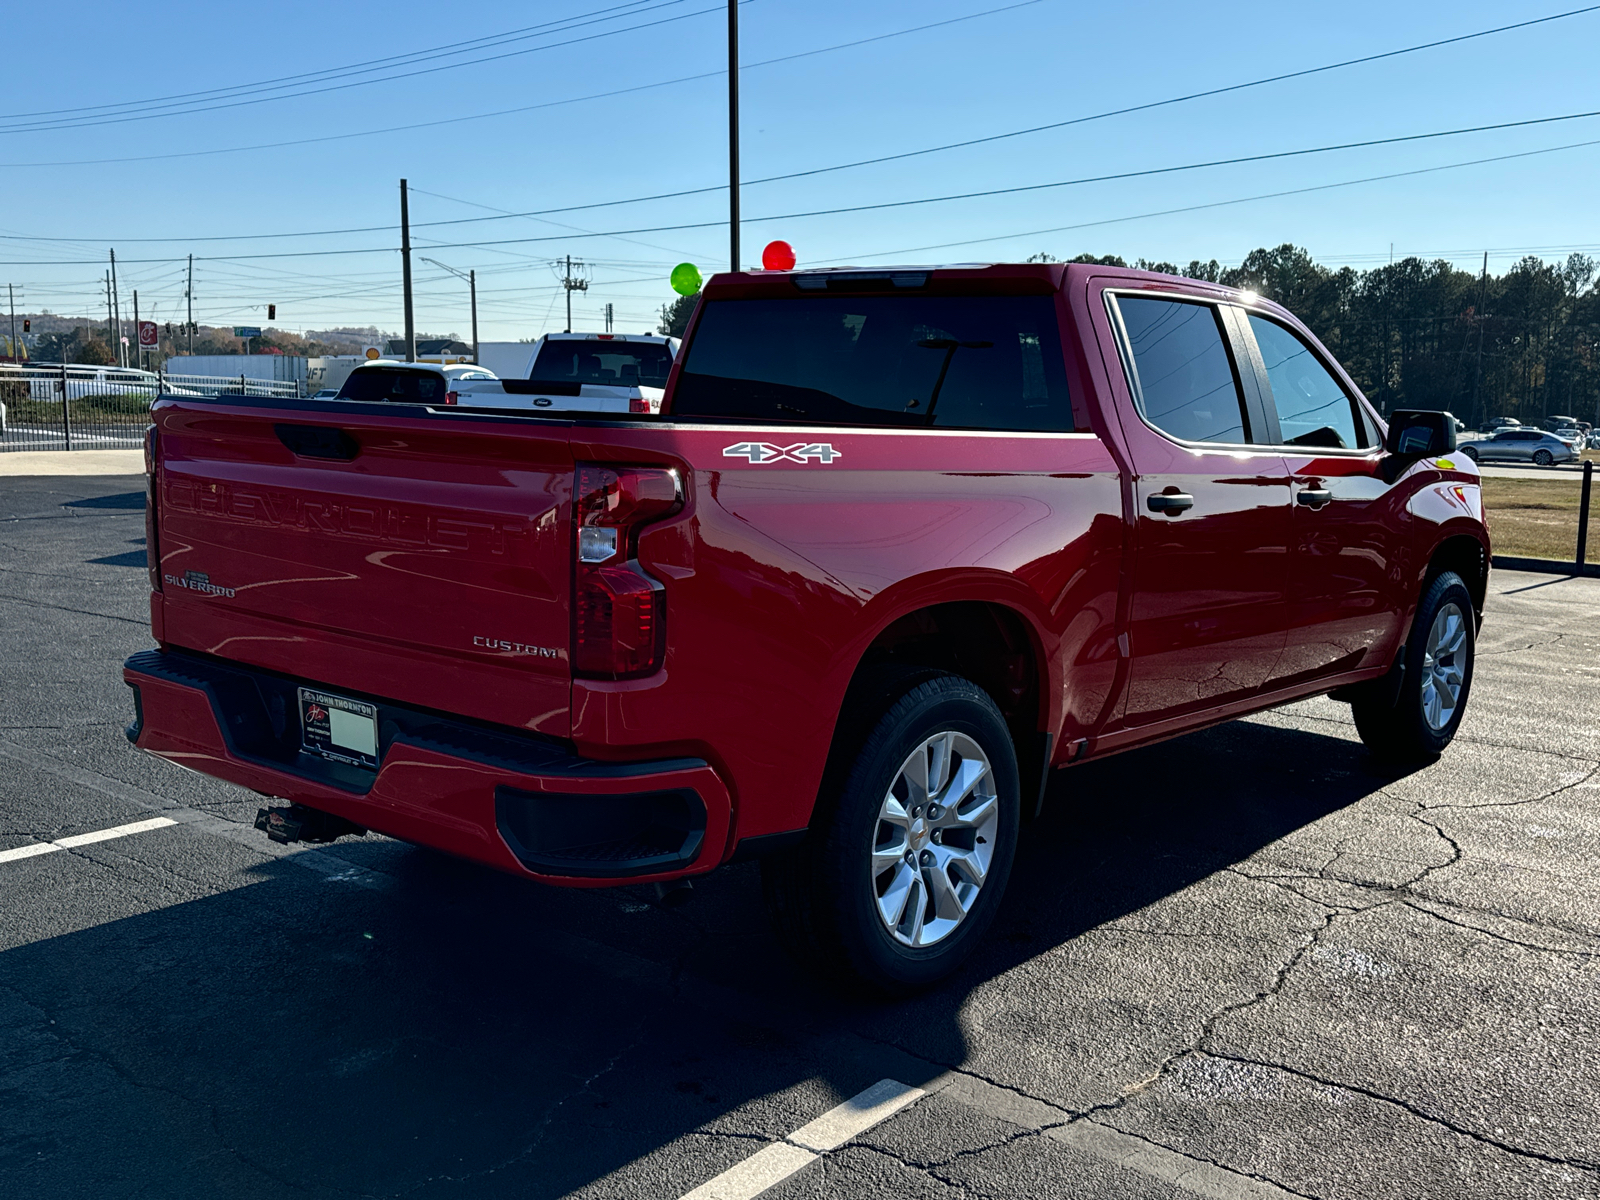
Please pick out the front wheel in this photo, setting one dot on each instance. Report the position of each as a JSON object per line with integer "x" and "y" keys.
{"x": 905, "y": 865}
{"x": 1543, "y": 458}
{"x": 1438, "y": 657}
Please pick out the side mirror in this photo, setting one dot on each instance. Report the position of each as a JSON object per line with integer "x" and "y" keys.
{"x": 1420, "y": 433}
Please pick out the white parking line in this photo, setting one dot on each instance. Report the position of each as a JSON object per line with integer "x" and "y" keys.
{"x": 775, "y": 1163}
{"x": 83, "y": 839}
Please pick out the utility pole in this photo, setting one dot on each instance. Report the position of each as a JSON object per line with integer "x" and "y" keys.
{"x": 11, "y": 290}
{"x": 117, "y": 351}
{"x": 111, "y": 338}
{"x": 189, "y": 295}
{"x": 1477, "y": 370}
{"x": 572, "y": 284}
{"x": 138, "y": 346}
{"x": 733, "y": 134}
{"x": 405, "y": 269}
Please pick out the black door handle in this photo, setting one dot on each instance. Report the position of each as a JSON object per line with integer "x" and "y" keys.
{"x": 1171, "y": 503}
{"x": 1314, "y": 497}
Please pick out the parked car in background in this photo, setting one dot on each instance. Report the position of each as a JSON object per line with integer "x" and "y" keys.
{"x": 326, "y": 394}
{"x": 45, "y": 382}
{"x": 1572, "y": 436}
{"x": 1520, "y": 445}
{"x": 409, "y": 383}
{"x": 621, "y": 373}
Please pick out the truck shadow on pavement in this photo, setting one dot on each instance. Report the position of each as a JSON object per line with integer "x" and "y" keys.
{"x": 455, "y": 1032}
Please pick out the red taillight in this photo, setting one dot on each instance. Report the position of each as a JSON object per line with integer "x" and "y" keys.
{"x": 152, "y": 491}
{"x": 619, "y": 613}
{"x": 451, "y": 397}
{"x": 638, "y": 404}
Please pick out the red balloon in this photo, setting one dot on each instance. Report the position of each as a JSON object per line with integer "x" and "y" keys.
{"x": 778, "y": 256}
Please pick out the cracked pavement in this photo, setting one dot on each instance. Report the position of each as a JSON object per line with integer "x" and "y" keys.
{"x": 1245, "y": 963}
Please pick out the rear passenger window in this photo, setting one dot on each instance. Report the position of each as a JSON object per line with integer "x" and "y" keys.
{"x": 1313, "y": 410}
{"x": 962, "y": 362}
{"x": 1181, "y": 372}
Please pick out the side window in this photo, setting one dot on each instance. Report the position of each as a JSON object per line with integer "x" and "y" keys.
{"x": 1180, "y": 370}
{"x": 1313, "y": 410}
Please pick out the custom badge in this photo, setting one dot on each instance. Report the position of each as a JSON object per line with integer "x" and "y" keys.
{"x": 762, "y": 453}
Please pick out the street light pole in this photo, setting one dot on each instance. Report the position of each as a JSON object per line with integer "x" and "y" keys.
{"x": 733, "y": 133}
{"x": 472, "y": 284}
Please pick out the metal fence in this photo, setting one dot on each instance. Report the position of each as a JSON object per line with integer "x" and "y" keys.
{"x": 97, "y": 408}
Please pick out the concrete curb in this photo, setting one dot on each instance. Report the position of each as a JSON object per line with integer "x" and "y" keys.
{"x": 1547, "y": 566}
{"x": 72, "y": 462}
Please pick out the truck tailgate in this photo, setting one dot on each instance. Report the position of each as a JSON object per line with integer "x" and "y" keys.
{"x": 410, "y": 555}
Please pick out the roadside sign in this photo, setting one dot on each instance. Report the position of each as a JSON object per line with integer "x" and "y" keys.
{"x": 148, "y": 338}
{"x": 246, "y": 331}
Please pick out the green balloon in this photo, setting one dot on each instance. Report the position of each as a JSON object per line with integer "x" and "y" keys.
{"x": 686, "y": 279}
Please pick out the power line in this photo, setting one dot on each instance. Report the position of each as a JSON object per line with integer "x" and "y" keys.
{"x": 1167, "y": 212}
{"x": 87, "y": 123}
{"x": 527, "y": 108}
{"x": 1032, "y": 187}
{"x": 957, "y": 196}
{"x": 371, "y": 63}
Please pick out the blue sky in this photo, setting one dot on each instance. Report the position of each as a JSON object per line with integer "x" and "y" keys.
{"x": 998, "y": 71}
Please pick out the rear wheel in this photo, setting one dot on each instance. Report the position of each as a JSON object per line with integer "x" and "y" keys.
{"x": 1470, "y": 453}
{"x": 1427, "y": 710}
{"x": 1543, "y": 457}
{"x": 905, "y": 865}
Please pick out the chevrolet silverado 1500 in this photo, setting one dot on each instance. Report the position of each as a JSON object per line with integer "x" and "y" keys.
{"x": 900, "y": 543}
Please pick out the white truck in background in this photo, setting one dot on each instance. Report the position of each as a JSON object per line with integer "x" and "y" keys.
{"x": 578, "y": 372}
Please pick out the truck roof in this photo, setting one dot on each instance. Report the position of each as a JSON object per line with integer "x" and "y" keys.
{"x": 955, "y": 278}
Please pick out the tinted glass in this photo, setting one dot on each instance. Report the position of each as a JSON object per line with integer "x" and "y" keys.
{"x": 1313, "y": 410}
{"x": 965, "y": 362}
{"x": 1184, "y": 376}
{"x": 379, "y": 383}
{"x": 616, "y": 364}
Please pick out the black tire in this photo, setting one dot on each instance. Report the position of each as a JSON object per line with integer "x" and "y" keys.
{"x": 822, "y": 896}
{"x": 1543, "y": 458}
{"x": 1470, "y": 453}
{"x": 1402, "y": 731}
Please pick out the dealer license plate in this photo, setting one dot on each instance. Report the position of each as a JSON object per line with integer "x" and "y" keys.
{"x": 339, "y": 728}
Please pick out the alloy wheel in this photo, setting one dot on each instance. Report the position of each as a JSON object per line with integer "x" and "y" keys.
{"x": 934, "y": 839}
{"x": 1444, "y": 666}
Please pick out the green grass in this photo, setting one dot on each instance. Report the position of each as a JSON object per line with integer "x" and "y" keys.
{"x": 1538, "y": 518}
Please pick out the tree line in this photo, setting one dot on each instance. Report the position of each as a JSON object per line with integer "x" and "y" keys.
{"x": 1418, "y": 334}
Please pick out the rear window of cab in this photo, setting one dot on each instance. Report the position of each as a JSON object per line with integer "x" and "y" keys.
{"x": 949, "y": 362}
{"x": 389, "y": 383}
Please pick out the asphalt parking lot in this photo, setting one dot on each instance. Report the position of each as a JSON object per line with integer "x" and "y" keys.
{"x": 1245, "y": 963}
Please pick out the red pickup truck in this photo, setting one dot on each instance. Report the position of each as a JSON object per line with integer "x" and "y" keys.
{"x": 900, "y": 542}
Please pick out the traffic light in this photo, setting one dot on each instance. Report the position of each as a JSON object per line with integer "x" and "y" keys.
{"x": 27, "y": 325}
{"x": 272, "y": 312}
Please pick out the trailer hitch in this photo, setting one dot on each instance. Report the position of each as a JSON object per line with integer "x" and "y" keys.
{"x": 298, "y": 823}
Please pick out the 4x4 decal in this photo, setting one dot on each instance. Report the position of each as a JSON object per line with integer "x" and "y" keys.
{"x": 761, "y": 453}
